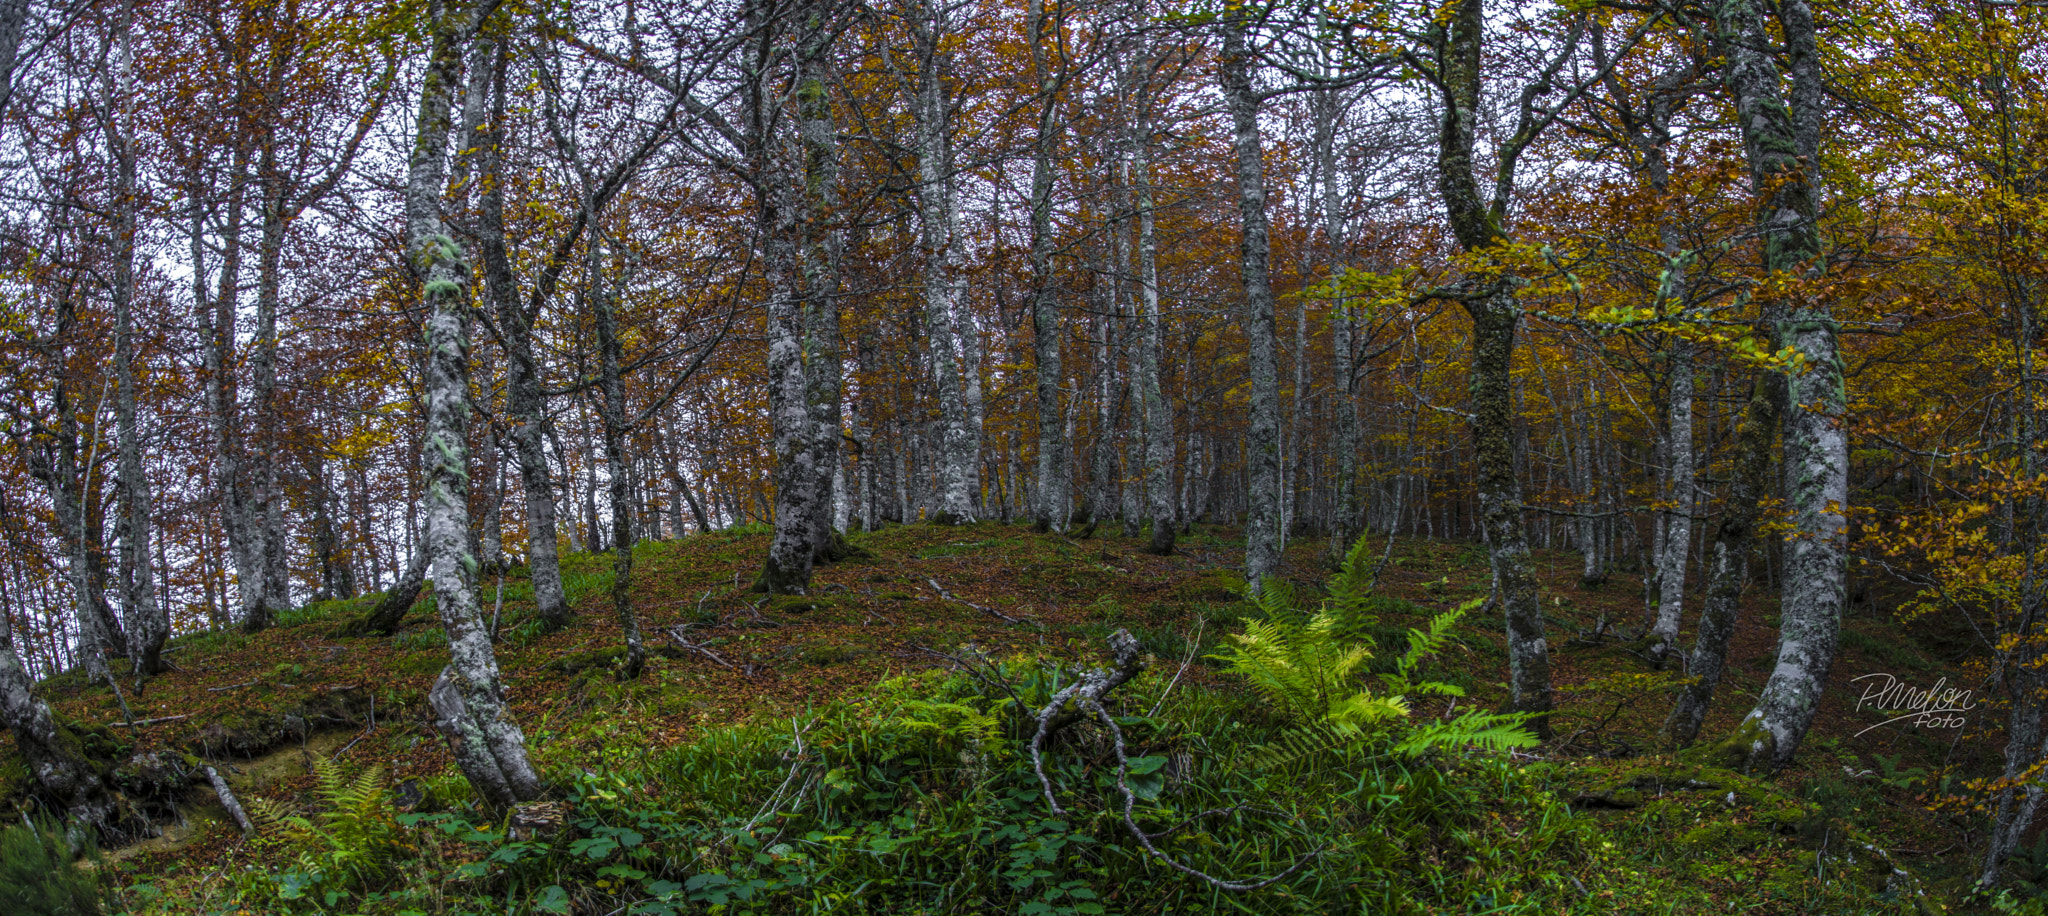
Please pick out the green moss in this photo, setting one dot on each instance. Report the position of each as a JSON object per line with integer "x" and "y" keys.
{"x": 580, "y": 661}
{"x": 832, "y": 653}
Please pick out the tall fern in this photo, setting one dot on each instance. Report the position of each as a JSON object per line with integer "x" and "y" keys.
{"x": 1313, "y": 677}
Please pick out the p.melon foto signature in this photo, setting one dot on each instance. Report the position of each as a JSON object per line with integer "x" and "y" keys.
{"x": 1939, "y": 706}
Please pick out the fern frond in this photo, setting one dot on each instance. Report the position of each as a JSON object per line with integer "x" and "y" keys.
{"x": 1343, "y": 740}
{"x": 1490, "y": 731}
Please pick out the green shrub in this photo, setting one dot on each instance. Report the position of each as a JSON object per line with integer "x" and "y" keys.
{"x": 40, "y": 877}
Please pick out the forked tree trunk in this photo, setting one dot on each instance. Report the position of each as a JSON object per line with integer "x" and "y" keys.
{"x": 468, "y": 698}
{"x": 1781, "y": 141}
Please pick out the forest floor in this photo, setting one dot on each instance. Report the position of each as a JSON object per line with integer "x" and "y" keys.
{"x": 264, "y": 706}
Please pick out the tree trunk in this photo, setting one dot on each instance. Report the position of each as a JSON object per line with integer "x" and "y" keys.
{"x": 949, "y": 328}
{"x": 467, "y": 698}
{"x": 610, "y": 355}
{"x": 1262, "y": 441}
{"x": 1054, "y": 504}
{"x": 1496, "y": 313}
{"x": 1781, "y": 141}
{"x": 147, "y": 619}
{"x": 1727, "y": 565}
{"x": 799, "y": 488}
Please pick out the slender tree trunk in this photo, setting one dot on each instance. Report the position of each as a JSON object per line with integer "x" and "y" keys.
{"x": 1781, "y": 141}
{"x": 1262, "y": 445}
{"x": 1727, "y": 566}
{"x": 610, "y": 355}
{"x": 468, "y": 698}
{"x": 525, "y": 410}
{"x": 1159, "y": 438}
{"x": 1054, "y": 505}
{"x": 147, "y": 619}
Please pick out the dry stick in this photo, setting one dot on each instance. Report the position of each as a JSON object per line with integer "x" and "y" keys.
{"x": 232, "y": 686}
{"x": 138, "y": 723}
{"x": 227, "y": 799}
{"x": 986, "y": 610}
{"x": 499, "y": 607}
{"x": 1194, "y": 646}
{"x": 675, "y": 634}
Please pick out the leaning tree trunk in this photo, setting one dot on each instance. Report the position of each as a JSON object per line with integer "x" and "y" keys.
{"x": 1728, "y": 562}
{"x": 1781, "y": 141}
{"x": 54, "y": 759}
{"x": 1054, "y": 503}
{"x": 525, "y": 408}
{"x": 468, "y": 698}
{"x": 1262, "y": 440}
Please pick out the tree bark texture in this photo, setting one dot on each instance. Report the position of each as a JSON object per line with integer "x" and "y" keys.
{"x": 1053, "y": 507}
{"x": 1781, "y": 143}
{"x": 468, "y": 697}
{"x": 1262, "y": 439}
{"x": 1496, "y": 313}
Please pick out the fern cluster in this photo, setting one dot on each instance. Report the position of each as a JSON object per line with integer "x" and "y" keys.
{"x": 1305, "y": 665}
{"x": 352, "y": 843}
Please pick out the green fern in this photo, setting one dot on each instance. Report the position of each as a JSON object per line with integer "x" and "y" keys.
{"x": 353, "y": 841}
{"x": 1311, "y": 675}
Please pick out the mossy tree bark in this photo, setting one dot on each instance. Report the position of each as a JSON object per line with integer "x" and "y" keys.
{"x": 468, "y": 697}
{"x": 1781, "y": 142}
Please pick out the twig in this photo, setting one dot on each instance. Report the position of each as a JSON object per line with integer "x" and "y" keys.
{"x": 953, "y": 598}
{"x": 1194, "y": 646}
{"x": 675, "y": 634}
{"x": 365, "y": 733}
{"x": 138, "y": 723}
{"x": 232, "y": 687}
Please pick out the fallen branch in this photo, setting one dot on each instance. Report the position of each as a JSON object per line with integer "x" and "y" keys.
{"x": 948, "y": 596}
{"x": 232, "y": 687}
{"x": 675, "y": 634}
{"x": 138, "y": 723}
{"x": 227, "y": 799}
{"x": 1087, "y": 694}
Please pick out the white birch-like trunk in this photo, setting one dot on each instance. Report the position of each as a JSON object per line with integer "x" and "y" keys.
{"x": 1262, "y": 441}
{"x": 468, "y": 697}
{"x": 1780, "y": 141}
{"x": 950, "y": 330}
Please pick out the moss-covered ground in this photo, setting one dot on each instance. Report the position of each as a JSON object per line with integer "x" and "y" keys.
{"x": 1866, "y": 821}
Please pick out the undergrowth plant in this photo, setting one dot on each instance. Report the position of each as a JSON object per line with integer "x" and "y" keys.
{"x": 1302, "y": 662}
{"x": 38, "y": 876}
{"x": 352, "y": 844}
